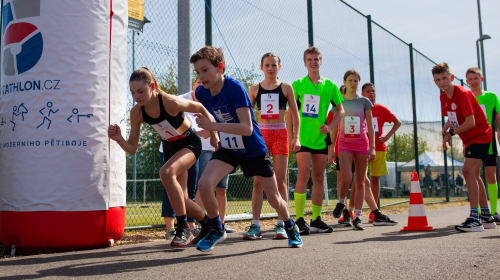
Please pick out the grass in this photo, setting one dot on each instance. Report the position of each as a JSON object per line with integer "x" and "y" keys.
{"x": 141, "y": 214}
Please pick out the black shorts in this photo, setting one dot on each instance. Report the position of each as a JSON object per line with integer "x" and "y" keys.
{"x": 479, "y": 151}
{"x": 256, "y": 166}
{"x": 490, "y": 161}
{"x": 313, "y": 151}
{"x": 337, "y": 167}
{"x": 192, "y": 141}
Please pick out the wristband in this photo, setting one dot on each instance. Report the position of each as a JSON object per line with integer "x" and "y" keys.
{"x": 451, "y": 132}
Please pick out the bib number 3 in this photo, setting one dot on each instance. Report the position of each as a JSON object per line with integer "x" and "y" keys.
{"x": 352, "y": 126}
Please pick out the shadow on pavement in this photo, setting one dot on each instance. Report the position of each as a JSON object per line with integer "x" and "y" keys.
{"x": 405, "y": 235}
{"x": 101, "y": 266}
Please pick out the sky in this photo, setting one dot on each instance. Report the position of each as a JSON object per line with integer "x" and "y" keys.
{"x": 443, "y": 30}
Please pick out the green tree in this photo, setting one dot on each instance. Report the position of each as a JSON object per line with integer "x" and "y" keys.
{"x": 405, "y": 147}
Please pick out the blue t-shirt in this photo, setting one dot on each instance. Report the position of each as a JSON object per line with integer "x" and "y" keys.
{"x": 223, "y": 107}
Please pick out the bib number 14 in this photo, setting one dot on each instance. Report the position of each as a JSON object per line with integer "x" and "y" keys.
{"x": 311, "y": 106}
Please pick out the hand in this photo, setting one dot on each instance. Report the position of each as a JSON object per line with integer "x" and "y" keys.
{"x": 214, "y": 141}
{"x": 325, "y": 129}
{"x": 331, "y": 157}
{"x": 203, "y": 122}
{"x": 204, "y": 134}
{"x": 446, "y": 139}
{"x": 371, "y": 154}
{"x": 383, "y": 139}
{"x": 445, "y": 128}
{"x": 114, "y": 132}
{"x": 295, "y": 145}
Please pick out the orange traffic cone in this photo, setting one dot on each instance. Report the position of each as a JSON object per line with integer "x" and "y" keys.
{"x": 417, "y": 220}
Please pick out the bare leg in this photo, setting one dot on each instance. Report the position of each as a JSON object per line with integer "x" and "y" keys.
{"x": 257, "y": 199}
{"x": 345, "y": 159}
{"x": 220, "y": 195}
{"x": 273, "y": 196}
{"x": 318, "y": 176}
{"x": 375, "y": 187}
{"x": 214, "y": 172}
{"x": 360, "y": 162}
{"x": 469, "y": 170}
{"x": 483, "y": 199}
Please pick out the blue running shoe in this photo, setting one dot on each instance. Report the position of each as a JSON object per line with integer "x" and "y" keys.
{"x": 215, "y": 236}
{"x": 294, "y": 240}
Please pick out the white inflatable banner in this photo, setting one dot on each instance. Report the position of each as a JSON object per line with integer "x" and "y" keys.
{"x": 63, "y": 82}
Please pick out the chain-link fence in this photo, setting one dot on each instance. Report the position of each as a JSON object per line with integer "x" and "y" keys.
{"x": 246, "y": 29}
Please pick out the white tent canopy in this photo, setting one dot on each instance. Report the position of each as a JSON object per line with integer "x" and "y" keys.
{"x": 435, "y": 160}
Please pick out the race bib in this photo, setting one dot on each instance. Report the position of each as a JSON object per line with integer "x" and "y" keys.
{"x": 452, "y": 117}
{"x": 352, "y": 126}
{"x": 375, "y": 125}
{"x": 167, "y": 131}
{"x": 231, "y": 142}
{"x": 269, "y": 106}
{"x": 310, "y": 107}
{"x": 484, "y": 110}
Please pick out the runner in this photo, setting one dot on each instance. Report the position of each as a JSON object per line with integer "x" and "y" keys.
{"x": 378, "y": 167}
{"x": 166, "y": 208}
{"x": 181, "y": 143}
{"x": 333, "y": 158}
{"x": 272, "y": 96}
{"x": 488, "y": 101}
{"x": 465, "y": 118}
{"x": 241, "y": 143}
{"x": 313, "y": 94}
{"x": 353, "y": 140}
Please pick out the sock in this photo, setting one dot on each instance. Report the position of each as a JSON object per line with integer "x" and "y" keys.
{"x": 205, "y": 222}
{"x": 216, "y": 224}
{"x": 280, "y": 222}
{"x": 493, "y": 193}
{"x": 316, "y": 211}
{"x": 485, "y": 212}
{"x": 377, "y": 213}
{"x": 357, "y": 213}
{"x": 289, "y": 223}
{"x": 300, "y": 204}
{"x": 351, "y": 209}
{"x": 182, "y": 221}
{"x": 473, "y": 213}
{"x": 343, "y": 200}
{"x": 256, "y": 222}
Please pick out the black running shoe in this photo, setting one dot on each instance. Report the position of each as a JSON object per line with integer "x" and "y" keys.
{"x": 183, "y": 237}
{"x": 319, "y": 226}
{"x": 488, "y": 222}
{"x": 383, "y": 220}
{"x": 303, "y": 226}
{"x": 204, "y": 232}
{"x": 470, "y": 225}
{"x": 347, "y": 222}
{"x": 337, "y": 212}
{"x": 497, "y": 218}
{"x": 357, "y": 224}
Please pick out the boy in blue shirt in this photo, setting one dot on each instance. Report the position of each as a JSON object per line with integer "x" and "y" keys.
{"x": 241, "y": 143}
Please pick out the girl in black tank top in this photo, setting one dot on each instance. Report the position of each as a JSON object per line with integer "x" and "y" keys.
{"x": 181, "y": 148}
{"x": 272, "y": 97}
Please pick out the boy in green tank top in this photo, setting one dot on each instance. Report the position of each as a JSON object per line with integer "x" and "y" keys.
{"x": 313, "y": 95}
{"x": 491, "y": 108}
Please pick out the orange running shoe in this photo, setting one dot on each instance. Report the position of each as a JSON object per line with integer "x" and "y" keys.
{"x": 371, "y": 218}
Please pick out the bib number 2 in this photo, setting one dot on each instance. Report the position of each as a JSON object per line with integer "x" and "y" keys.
{"x": 269, "y": 106}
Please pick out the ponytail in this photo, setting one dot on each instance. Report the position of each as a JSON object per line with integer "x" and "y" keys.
{"x": 144, "y": 73}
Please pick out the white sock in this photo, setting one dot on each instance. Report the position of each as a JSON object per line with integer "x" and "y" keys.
{"x": 280, "y": 222}
{"x": 343, "y": 200}
{"x": 357, "y": 213}
{"x": 256, "y": 222}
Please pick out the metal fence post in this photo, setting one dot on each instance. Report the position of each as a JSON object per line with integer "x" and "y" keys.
{"x": 395, "y": 160}
{"x": 414, "y": 107}
{"x": 446, "y": 183}
{"x": 208, "y": 22}
{"x": 325, "y": 186}
{"x": 310, "y": 22}
{"x": 370, "y": 49}
{"x": 134, "y": 176}
{"x": 184, "y": 47}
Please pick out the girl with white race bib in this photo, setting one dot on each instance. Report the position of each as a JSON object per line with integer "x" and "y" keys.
{"x": 354, "y": 140}
{"x": 272, "y": 97}
{"x": 181, "y": 144}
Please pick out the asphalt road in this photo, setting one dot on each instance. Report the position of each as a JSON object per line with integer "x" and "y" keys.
{"x": 377, "y": 252}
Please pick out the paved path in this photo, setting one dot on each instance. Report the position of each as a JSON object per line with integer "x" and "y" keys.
{"x": 377, "y": 252}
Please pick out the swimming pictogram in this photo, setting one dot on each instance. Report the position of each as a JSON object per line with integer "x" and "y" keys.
{"x": 16, "y": 112}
